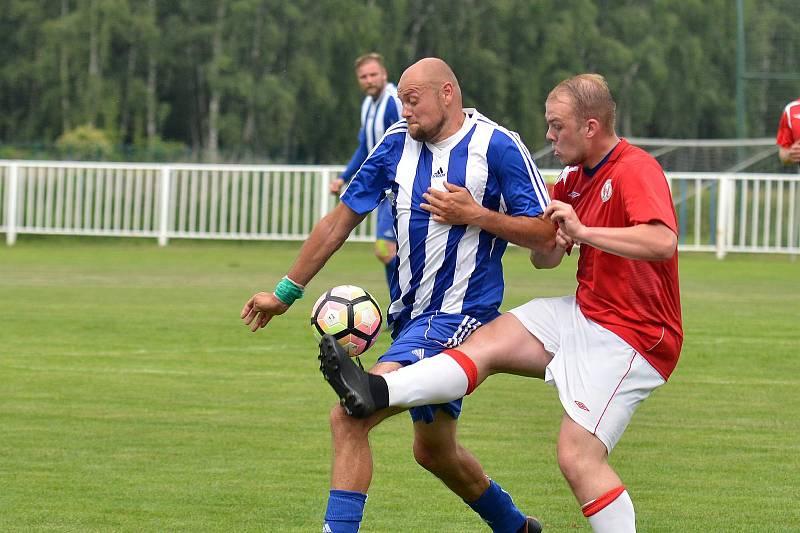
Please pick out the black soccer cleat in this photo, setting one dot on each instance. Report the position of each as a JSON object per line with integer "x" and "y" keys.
{"x": 531, "y": 525}
{"x": 346, "y": 378}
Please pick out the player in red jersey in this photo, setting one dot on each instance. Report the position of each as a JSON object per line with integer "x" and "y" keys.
{"x": 606, "y": 348}
{"x": 788, "y": 138}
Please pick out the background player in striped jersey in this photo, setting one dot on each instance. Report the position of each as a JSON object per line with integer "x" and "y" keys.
{"x": 606, "y": 348}
{"x": 379, "y": 110}
{"x": 788, "y": 137}
{"x": 448, "y": 279}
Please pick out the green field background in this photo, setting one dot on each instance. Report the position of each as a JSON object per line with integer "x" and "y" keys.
{"x": 132, "y": 398}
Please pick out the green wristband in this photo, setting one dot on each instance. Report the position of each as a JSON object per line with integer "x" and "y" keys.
{"x": 288, "y": 291}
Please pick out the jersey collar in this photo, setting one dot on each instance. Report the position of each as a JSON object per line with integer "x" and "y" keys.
{"x": 610, "y": 156}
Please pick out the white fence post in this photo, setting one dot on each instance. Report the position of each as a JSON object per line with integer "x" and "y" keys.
{"x": 324, "y": 193}
{"x": 725, "y": 202}
{"x": 12, "y": 184}
{"x": 163, "y": 212}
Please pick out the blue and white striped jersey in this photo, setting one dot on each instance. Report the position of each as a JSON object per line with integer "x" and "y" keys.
{"x": 443, "y": 268}
{"x": 376, "y": 117}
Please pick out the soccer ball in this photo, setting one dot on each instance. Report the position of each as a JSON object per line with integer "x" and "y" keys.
{"x": 351, "y": 315}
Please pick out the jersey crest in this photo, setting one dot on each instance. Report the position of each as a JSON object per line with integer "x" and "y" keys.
{"x": 606, "y": 191}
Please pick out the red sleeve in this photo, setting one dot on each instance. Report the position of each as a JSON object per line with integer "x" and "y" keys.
{"x": 784, "y": 139}
{"x": 646, "y": 194}
{"x": 558, "y": 191}
{"x": 560, "y": 187}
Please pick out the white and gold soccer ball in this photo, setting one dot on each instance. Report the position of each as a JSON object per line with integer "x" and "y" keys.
{"x": 351, "y": 315}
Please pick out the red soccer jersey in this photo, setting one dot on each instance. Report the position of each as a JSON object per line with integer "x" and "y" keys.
{"x": 789, "y": 126}
{"x": 637, "y": 300}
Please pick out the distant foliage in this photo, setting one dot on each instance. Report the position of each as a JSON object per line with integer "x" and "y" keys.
{"x": 271, "y": 80}
{"x": 85, "y": 143}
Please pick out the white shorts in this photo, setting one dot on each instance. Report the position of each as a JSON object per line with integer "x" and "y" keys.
{"x": 600, "y": 378}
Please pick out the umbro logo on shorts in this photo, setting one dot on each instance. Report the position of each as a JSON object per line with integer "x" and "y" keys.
{"x": 582, "y": 405}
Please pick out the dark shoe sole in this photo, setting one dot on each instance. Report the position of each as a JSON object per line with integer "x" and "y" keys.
{"x": 344, "y": 376}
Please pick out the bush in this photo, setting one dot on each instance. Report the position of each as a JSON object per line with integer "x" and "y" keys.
{"x": 85, "y": 143}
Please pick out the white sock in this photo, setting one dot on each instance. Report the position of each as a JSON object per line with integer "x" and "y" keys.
{"x": 437, "y": 379}
{"x": 609, "y": 514}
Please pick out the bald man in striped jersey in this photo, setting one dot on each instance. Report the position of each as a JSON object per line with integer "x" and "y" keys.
{"x": 448, "y": 280}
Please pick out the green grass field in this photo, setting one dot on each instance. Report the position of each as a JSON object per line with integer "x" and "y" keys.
{"x": 132, "y": 398}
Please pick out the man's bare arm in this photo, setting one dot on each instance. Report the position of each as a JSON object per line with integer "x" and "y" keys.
{"x": 457, "y": 206}
{"x": 326, "y": 237}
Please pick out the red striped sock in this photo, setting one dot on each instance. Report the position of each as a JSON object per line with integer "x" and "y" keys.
{"x": 467, "y": 365}
{"x": 595, "y": 506}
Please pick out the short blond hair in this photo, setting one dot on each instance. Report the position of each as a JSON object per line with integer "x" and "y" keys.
{"x": 591, "y": 98}
{"x": 366, "y": 58}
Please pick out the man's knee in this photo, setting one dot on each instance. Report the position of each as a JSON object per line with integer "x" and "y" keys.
{"x": 577, "y": 462}
{"x": 431, "y": 457}
{"x": 569, "y": 461}
{"x": 346, "y": 428}
{"x": 439, "y": 454}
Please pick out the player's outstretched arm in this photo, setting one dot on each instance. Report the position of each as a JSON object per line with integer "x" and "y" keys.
{"x": 326, "y": 237}
{"x": 647, "y": 242}
{"x": 457, "y": 206}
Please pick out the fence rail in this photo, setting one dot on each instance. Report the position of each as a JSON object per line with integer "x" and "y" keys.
{"x": 725, "y": 212}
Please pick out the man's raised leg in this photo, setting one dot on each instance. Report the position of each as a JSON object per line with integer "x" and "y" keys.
{"x": 503, "y": 345}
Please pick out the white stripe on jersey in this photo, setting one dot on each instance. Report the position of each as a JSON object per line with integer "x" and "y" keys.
{"x": 437, "y": 232}
{"x": 406, "y": 172}
{"x": 372, "y": 114}
{"x": 467, "y": 251}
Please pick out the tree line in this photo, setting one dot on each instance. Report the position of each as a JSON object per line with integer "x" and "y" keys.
{"x": 272, "y": 80}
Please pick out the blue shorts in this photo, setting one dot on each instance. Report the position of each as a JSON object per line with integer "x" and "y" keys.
{"x": 384, "y": 230}
{"x": 426, "y": 336}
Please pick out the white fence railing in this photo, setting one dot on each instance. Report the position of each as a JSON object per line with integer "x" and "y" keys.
{"x": 716, "y": 212}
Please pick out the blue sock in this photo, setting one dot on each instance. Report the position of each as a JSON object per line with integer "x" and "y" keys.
{"x": 498, "y": 510}
{"x": 344, "y": 513}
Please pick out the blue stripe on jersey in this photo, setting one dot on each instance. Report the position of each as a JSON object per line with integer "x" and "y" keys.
{"x": 538, "y": 181}
{"x": 485, "y": 289}
{"x": 375, "y": 122}
{"x": 504, "y": 153}
{"x": 456, "y": 174}
{"x": 392, "y": 114}
{"x": 366, "y": 190}
{"x": 417, "y": 233}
